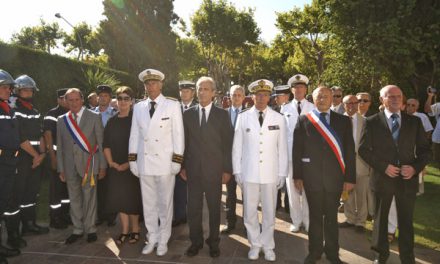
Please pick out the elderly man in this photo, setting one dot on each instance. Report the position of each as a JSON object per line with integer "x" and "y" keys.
{"x": 323, "y": 165}
{"x": 396, "y": 146}
{"x": 80, "y": 161}
{"x": 356, "y": 207}
{"x": 337, "y": 105}
{"x": 155, "y": 153}
{"x": 261, "y": 168}
{"x": 299, "y": 210}
{"x": 92, "y": 100}
{"x": 186, "y": 92}
{"x": 207, "y": 163}
{"x": 237, "y": 97}
{"x": 364, "y": 103}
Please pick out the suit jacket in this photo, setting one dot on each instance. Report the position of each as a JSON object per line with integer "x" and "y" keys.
{"x": 362, "y": 168}
{"x": 193, "y": 103}
{"x": 259, "y": 154}
{"x": 71, "y": 159}
{"x": 156, "y": 139}
{"x": 313, "y": 160}
{"x": 207, "y": 153}
{"x": 378, "y": 149}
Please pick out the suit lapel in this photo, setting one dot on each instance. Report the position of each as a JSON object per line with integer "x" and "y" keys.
{"x": 384, "y": 122}
{"x": 359, "y": 129}
{"x": 403, "y": 128}
{"x": 83, "y": 120}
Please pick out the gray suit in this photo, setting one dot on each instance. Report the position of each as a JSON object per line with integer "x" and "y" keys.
{"x": 72, "y": 160}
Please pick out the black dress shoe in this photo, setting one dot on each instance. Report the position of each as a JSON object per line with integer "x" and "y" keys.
{"x": 178, "y": 222}
{"x": 9, "y": 252}
{"x": 58, "y": 223}
{"x": 92, "y": 237}
{"x": 72, "y": 239}
{"x": 227, "y": 229}
{"x": 16, "y": 242}
{"x": 214, "y": 252}
{"x": 335, "y": 260}
{"x": 30, "y": 228}
{"x": 345, "y": 225}
{"x": 193, "y": 250}
{"x": 312, "y": 258}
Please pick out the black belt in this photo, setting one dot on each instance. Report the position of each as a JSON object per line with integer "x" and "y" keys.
{"x": 8, "y": 152}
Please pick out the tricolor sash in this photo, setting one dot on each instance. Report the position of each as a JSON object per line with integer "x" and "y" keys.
{"x": 83, "y": 143}
{"x": 330, "y": 136}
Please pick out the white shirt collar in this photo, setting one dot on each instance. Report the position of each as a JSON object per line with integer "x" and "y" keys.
{"x": 388, "y": 113}
{"x": 158, "y": 99}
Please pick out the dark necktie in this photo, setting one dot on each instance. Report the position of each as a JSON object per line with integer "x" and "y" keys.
{"x": 322, "y": 117}
{"x": 299, "y": 108}
{"x": 75, "y": 117}
{"x": 186, "y": 107}
{"x": 152, "y": 108}
{"x": 203, "y": 122}
{"x": 395, "y": 126}
{"x": 235, "y": 118}
{"x": 261, "y": 119}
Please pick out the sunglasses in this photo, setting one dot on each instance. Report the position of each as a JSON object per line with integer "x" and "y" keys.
{"x": 363, "y": 101}
{"x": 351, "y": 103}
{"x": 123, "y": 98}
{"x": 337, "y": 96}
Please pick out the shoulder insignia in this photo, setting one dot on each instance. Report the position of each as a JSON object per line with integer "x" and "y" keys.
{"x": 171, "y": 98}
{"x": 244, "y": 110}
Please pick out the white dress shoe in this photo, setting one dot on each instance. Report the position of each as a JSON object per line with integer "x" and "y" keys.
{"x": 161, "y": 250}
{"x": 294, "y": 228}
{"x": 254, "y": 253}
{"x": 148, "y": 248}
{"x": 269, "y": 255}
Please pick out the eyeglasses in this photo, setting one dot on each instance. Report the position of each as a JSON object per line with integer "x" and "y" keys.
{"x": 410, "y": 105}
{"x": 364, "y": 101}
{"x": 351, "y": 103}
{"x": 123, "y": 98}
{"x": 337, "y": 96}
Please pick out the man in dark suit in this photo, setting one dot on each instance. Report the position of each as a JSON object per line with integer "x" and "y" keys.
{"x": 395, "y": 145}
{"x": 186, "y": 92}
{"x": 324, "y": 164}
{"x": 207, "y": 163}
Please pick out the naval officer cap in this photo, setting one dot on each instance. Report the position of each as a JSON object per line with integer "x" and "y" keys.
{"x": 298, "y": 79}
{"x": 61, "y": 92}
{"x": 102, "y": 88}
{"x": 260, "y": 85}
{"x": 187, "y": 85}
{"x": 151, "y": 74}
{"x": 282, "y": 89}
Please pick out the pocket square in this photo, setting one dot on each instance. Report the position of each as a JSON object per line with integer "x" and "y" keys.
{"x": 276, "y": 127}
{"x": 165, "y": 118}
{"x": 305, "y": 159}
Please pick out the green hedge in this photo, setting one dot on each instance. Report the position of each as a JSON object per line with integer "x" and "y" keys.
{"x": 52, "y": 72}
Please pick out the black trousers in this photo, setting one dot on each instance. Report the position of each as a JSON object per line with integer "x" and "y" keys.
{"x": 180, "y": 199}
{"x": 25, "y": 188}
{"x": 212, "y": 191}
{"x": 58, "y": 195}
{"x": 7, "y": 176}
{"x": 323, "y": 210}
{"x": 405, "y": 208}
{"x": 231, "y": 202}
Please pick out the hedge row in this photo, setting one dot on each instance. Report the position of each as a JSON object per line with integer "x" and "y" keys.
{"x": 52, "y": 72}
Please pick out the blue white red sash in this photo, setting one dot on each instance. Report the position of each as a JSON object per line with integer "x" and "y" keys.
{"x": 82, "y": 141}
{"x": 330, "y": 136}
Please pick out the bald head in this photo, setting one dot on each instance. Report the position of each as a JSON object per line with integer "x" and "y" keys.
{"x": 350, "y": 104}
{"x": 392, "y": 98}
{"x": 412, "y": 105}
{"x": 322, "y": 98}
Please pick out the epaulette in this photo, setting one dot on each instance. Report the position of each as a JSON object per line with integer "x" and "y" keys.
{"x": 244, "y": 110}
{"x": 171, "y": 98}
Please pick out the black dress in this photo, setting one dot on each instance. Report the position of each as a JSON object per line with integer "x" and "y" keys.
{"x": 124, "y": 191}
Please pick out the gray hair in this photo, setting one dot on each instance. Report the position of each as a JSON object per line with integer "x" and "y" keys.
{"x": 364, "y": 93}
{"x": 384, "y": 91}
{"x": 73, "y": 90}
{"x": 206, "y": 79}
{"x": 336, "y": 88}
{"x": 236, "y": 87}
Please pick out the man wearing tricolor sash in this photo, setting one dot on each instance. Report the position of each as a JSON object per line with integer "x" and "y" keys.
{"x": 323, "y": 165}
{"x": 80, "y": 162}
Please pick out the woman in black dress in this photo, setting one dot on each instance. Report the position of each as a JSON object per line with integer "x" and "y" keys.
{"x": 124, "y": 195}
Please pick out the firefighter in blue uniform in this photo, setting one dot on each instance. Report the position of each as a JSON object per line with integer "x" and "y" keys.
{"x": 59, "y": 202}
{"x": 9, "y": 145}
{"x": 22, "y": 206}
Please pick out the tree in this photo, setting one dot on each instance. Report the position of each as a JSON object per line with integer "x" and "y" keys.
{"x": 83, "y": 39}
{"x": 137, "y": 34}
{"x": 43, "y": 36}
{"x": 224, "y": 33}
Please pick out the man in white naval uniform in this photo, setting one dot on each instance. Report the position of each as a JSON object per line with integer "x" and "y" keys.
{"x": 155, "y": 153}
{"x": 259, "y": 160}
{"x": 299, "y": 209}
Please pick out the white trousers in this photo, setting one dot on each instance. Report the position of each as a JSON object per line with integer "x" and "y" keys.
{"x": 299, "y": 209}
{"x": 157, "y": 200}
{"x": 392, "y": 217}
{"x": 253, "y": 194}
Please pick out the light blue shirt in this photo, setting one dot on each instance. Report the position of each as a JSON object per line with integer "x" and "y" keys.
{"x": 234, "y": 112}
{"x": 390, "y": 120}
{"x": 106, "y": 115}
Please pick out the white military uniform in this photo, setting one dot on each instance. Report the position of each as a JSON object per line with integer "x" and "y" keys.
{"x": 259, "y": 159}
{"x": 299, "y": 210}
{"x": 156, "y": 141}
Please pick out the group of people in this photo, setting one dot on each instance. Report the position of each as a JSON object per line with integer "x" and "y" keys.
{"x": 159, "y": 158}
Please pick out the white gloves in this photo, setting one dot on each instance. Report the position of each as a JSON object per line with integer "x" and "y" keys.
{"x": 239, "y": 180}
{"x": 175, "y": 168}
{"x": 280, "y": 183}
{"x": 134, "y": 168}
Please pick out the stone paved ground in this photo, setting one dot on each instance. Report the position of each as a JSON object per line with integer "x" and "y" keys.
{"x": 290, "y": 248}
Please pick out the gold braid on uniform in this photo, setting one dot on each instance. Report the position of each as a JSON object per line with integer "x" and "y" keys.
{"x": 177, "y": 158}
{"x": 132, "y": 157}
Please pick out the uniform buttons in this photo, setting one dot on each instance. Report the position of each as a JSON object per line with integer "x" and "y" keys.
{"x": 157, "y": 140}
{"x": 160, "y": 126}
{"x": 261, "y": 142}
{"x": 145, "y": 154}
{"x": 157, "y": 154}
{"x": 261, "y": 161}
{"x": 261, "y": 152}
{"x": 261, "y": 133}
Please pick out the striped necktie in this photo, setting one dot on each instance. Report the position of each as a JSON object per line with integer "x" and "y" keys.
{"x": 395, "y": 127}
